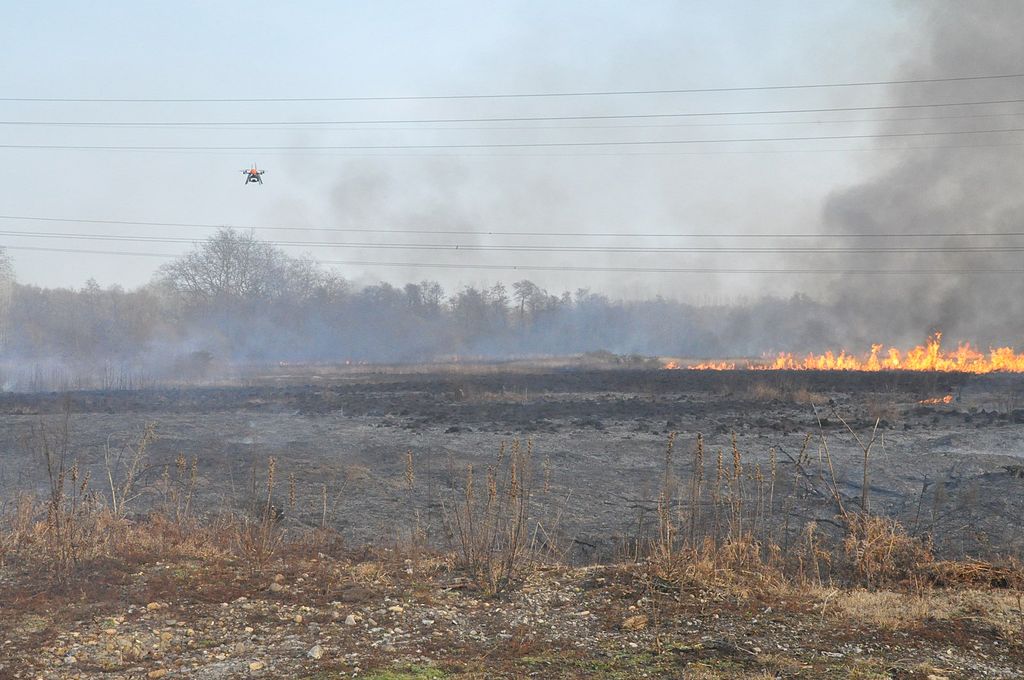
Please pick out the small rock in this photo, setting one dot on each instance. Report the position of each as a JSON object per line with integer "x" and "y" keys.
{"x": 256, "y": 666}
{"x": 350, "y": 620}
{"x": 276, "y": 587}
{"x": 396, "y": 609}
{"x": 70, "y": 659}
{"x": 158, "y": 673}
{"x": 153, "y": 606}
{"x": 316, "y": 652}
{"x": 278, "y": 578}
{"x": 298, "y": 618}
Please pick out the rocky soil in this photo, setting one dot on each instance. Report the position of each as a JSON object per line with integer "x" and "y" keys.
{"x": 413, "y": 618}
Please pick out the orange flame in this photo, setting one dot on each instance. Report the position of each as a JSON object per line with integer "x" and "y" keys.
{"x": 926, "y": 357}
{"x": 714, "y": 366}
{"x": 674, "y": 365}
{"x": 938, "y": 400}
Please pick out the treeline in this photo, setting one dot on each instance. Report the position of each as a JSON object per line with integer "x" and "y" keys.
{"x": 237, "y": 298}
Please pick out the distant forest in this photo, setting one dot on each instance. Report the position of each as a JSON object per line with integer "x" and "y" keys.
{"x": 235, "y": 298}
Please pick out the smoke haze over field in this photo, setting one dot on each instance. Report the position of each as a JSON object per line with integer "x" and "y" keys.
{"x": 546, "y": 199}
{"x": 237, "y": 300}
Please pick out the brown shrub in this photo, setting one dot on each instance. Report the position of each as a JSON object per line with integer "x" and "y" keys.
{"x": 880, "y": 551}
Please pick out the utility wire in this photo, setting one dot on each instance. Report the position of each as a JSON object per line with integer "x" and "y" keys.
{"x": 596, "y": 154}
{"x": 520, "y": 95}
{"x": 223, "y": 126}
{"x": 520, "y": 119}
{"x": 463, "y": 247}
{"x": 492, "y": 232}
{"x": 560, "y": 268}
{"x": 516, "y": 145}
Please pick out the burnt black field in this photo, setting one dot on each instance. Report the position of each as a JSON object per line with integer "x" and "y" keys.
{"x": 598, "y": 435}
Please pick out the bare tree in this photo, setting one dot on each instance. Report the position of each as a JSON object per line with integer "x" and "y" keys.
{"x": 6, "y": 290}
{"x": 234, "y": 265}
{"x": 525, "y": 292}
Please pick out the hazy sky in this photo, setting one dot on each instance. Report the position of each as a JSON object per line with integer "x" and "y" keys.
{"x": 333, "y": 49}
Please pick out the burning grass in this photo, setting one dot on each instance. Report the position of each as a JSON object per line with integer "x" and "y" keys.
{"x": 926, "y": 357}
{"x": 948, "y": 399}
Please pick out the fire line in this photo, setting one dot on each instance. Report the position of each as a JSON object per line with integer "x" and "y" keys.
{"x": 927, "y": 357}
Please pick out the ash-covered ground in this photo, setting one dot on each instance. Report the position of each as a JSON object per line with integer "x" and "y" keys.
{"x": 599, "y": 445}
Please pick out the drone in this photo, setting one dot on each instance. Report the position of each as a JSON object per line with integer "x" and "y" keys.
{"x": 252, "y": 175}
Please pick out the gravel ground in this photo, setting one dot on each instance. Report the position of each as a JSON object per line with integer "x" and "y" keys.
{"x": 414, "y": 619}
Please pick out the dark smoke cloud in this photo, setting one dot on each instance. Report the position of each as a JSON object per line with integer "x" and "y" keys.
{"x": 943, "y": 190}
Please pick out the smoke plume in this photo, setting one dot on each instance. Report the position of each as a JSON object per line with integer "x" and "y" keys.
{"x": 972, "y": 183}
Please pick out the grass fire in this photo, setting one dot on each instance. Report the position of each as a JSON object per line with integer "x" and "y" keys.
{"x": 926, "y": 357}
{"x": 539, "y": 340}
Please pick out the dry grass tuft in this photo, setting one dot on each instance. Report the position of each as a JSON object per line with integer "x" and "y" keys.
{"x": 494, "y": 531}
{"x": 880, "y": 551}
{"x": 978, "y": 574}
{"x": 907, "y": 611}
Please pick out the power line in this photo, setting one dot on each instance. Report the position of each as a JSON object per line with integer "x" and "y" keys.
{"x": 504, "y": 145}
{"x": 519, "y": 95}
{"x": 282, "y": 126}
{"x": 464, "y": 247}
{"x": 492, "y": 232}
{"x": 591, "y": 154}
{"x": 561, "y": 268}
{"x": 521, "y": 119}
